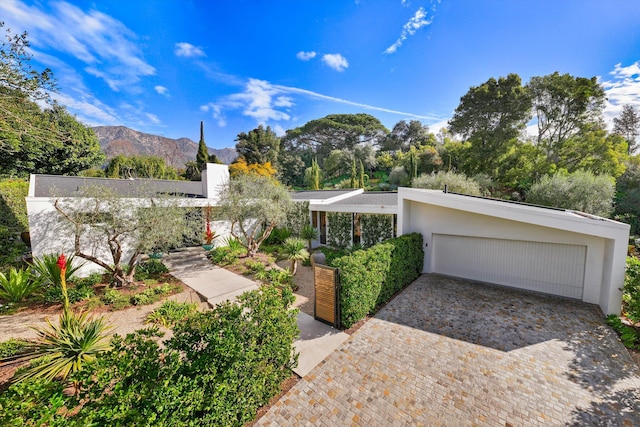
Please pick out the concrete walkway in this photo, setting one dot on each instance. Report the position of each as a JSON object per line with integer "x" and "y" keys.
{"x": 215, "y": 285}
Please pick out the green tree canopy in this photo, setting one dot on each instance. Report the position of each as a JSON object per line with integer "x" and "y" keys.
{"x": 491, "y": 117}
{"x": 260, "y": 145}
{"x": 563, "y": 105}
{"x": 405, "y": 135}
{"x": 140, "y": 167}
{"x": 627, "y": 125}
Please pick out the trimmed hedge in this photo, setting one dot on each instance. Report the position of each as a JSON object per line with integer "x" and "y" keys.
{"x": 372, "y": 276}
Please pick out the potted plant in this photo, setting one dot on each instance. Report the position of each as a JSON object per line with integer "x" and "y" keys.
{"x": 208, "y": 235}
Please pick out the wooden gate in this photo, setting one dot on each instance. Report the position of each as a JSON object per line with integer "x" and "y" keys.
{"x": 327, "y": 292}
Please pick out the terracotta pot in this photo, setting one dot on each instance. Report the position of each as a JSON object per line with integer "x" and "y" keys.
{"x": 25, "y": 236}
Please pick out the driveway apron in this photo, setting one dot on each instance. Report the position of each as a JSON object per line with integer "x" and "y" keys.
{"x": 459, "y": 353}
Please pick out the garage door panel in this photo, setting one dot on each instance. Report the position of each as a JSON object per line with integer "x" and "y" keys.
{"x": 544, "y": 267}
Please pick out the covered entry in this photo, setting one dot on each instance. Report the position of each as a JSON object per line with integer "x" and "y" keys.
{"x": 551, "y": 268}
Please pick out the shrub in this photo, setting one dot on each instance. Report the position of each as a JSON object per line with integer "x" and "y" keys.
{"x": 224, "y": 255}
{"x": 153, "y": 267}
{"x": 455, "y": 182}
{"x": 49, "y": 271}
{"x": 17, "y": 284}
{"x": 375, "y": 228}
{"x": 13, "y": 208}
{"x": 371, "y": 277}
{"x": 171, "y": 313}
{"x": 293, "y": 249}
{"x": 12, "y": 347}
{"x": 629, "y": 335}
{"x": 278, "y": 236}
{"x": 339, "y": 229}
{"x": 581, "y": 191}
{"x": 631, "y": 290}
{"x": 35, "y": 402}
{"x": 398, "y": 176}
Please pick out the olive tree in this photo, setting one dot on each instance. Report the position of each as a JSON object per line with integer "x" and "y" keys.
{"x": 254, "y": 205}
{"x": 113, "y": 231}
{"x": 581, "y": 191}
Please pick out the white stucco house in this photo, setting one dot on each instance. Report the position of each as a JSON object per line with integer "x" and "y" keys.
{"x": 554, "y": 251}
{"x": 48, "y": 236}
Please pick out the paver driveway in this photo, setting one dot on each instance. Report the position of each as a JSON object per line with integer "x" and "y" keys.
{"x": 454, "y": 352}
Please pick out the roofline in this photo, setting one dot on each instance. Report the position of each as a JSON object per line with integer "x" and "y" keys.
{"x": 558, "y": 219}
{"x": 331, "y": 199}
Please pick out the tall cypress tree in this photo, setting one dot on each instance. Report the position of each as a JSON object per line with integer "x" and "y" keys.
{"x": 202, "y": 158}
{"x": 361, "y": 175}
{"x": 354, "y": 181}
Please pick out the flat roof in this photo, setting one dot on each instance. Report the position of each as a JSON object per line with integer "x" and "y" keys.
{"x": 378, "y": 198}
{"x": 319, "y": 194}
{"x": 71, "y": 186}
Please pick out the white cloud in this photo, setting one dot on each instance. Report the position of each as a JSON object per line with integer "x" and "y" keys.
{"x": 623, "y": 88}
{"x": 335, "y": 61}
{"x": 94, "y": 38}
{"x": 305, "y": 56}
{"x": 279, "y": 130}
{"x": 216, "y": 113}
{"x": 417, "y": 21}
{"x": 161, "y": 90}
{"x": 153, "y": 118}
{"x": 187, "y": 50}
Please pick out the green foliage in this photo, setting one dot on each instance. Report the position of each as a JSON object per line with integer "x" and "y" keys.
{"x": 202, "y": 157}
{"x": 370, "y": 277}
{"x": 77, "y": 339}
{"x": 581, "y": 191}
{"x": 13, "y": 208}
{"x": 627, "y": 125}
{"x": 35, "y": 402}
{"x": 12, "y": 347}
{"x": 218, "y": 369}
{"x": 278, "y": 236}
{"x": 18, "y": 284}
{"x": 309, "y": 233}
{"x": 293, "y": 249}
{"x": 170, "y": 313}
{"x": 225, "y": 255}
{"x": 375, "y": 228}
{"x": 631, "y": 291}
{"x": 339, "y": 227}
{"x": 260, "y": 145}
{"x": 627, "y": 199}
{"x": 297, "y": 217}
{"x": 254, "y": 199}
{"x": 629, "y": 335}
{"x": 126, "y": 167}
{"x": 151, "y": 268}
{"x": 455, "y": 182}
{"x": 47, "y": 268}
{"x": 313, "y": 176}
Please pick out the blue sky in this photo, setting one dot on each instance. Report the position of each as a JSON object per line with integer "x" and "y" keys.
{"x": 162, "y": 66}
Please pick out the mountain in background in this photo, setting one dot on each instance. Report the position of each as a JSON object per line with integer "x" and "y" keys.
{"x": 115, "y": 140}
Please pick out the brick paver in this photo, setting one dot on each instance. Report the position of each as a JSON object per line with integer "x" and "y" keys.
{"x": 458, "y": 353}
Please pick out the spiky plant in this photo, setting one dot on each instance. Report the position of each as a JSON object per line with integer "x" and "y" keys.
{"x": 48, "y": 269}
{"x": 17, "y": 284}
{"x": 293, "y": 248}
{"x": 309, "y": 233}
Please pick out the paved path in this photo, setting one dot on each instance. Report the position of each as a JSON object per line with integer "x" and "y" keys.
{"x": 456, "y": 353}
{"x": 215, "y": 285}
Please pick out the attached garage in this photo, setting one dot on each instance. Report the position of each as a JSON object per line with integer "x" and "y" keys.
{"x": 558, "y": 252}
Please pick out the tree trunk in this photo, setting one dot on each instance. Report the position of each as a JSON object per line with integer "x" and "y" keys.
{"x": 294, "y": 267}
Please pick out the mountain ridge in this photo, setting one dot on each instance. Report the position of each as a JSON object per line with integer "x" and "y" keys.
{"x": 116, "y": 140}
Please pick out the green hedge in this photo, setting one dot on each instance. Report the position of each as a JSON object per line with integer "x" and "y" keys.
{"x": 217, "y": 370}
{"x": 13, "y": 208}
{"x": 372, "y": 276}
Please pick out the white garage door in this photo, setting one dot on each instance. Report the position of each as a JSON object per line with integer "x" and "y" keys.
{"x": 544, "y": 267}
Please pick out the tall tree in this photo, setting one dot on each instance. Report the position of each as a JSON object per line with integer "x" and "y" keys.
{"x": 139, "y": 167}
{"x": 627, "y": 125}
{"x": 491, "y": 117}
{"x": 202, "y": 157}
{"x": 313, "y": 176}
{"x": 563, "y": 105}
{"x": 405, "y": 135}
{"x": 361, "y": 175}
{"x": 260, "y": 145}
{"x": 353, "y": 182}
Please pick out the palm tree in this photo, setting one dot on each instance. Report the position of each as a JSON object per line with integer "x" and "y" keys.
{"x": 293, "y": 249}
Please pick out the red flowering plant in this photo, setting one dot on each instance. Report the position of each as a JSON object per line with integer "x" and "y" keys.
{"x": 62, "y": 264}
{"x": 209, "y": 235}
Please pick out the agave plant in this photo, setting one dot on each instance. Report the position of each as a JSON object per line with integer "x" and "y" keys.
{"x": 17, "y": 285}
{"x": 293, "y": 248}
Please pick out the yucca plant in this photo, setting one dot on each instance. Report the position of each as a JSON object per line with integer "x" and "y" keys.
{"x": 77, "y": 338}
{"x": 293, "y": 248}
{"x": 48, "y": 269}
{"x": 17, "y": 284}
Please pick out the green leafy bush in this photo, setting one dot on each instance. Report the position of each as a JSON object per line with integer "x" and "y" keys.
{"x": 35, "y": 402}
{"x": 631, "y": 290}
{"x": 278, "y": 236}
{"x": 13, "y": 208}
{"x": 455, "y": 182}
{"x": 629, "y": 335}
{"x": 225, "y": 255}
{"x": 17, "y": 285}
{"x": 372, "y": 276}
{"x": 339, "y": 229}
{"x": 171, "y": 313}
{"x": 12, "y": 347}
{"x": 375, "y": 228}
{"x": 152, "y": 267}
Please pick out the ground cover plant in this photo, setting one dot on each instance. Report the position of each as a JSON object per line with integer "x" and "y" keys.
{"x": 627, "y": 325}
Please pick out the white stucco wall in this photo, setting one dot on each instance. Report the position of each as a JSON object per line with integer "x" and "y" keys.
{"x": 429, "y": 212}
